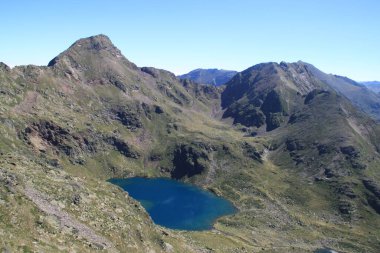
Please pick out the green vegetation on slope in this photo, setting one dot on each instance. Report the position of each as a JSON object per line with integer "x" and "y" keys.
{"x": 300, "y": 162}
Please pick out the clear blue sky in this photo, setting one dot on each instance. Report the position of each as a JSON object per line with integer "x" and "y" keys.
{"x": 337, "y": 36}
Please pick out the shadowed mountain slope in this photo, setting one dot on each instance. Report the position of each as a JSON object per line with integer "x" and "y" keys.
{"x": 360, "y": 95}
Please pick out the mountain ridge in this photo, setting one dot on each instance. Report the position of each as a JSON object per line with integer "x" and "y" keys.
{"x": 295, "y": 156}
{"x": 372, "y": 85}
{"x": 214, "y": 76}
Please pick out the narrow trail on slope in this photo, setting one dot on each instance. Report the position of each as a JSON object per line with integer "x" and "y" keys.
{"x": 42, "y": 202}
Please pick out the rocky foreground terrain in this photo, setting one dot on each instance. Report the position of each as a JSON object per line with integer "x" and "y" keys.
{"x": 284, "y": 142}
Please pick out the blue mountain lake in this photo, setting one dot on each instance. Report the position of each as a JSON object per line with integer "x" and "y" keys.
{"x": 325, "y": 251}
{"x": 174, "y": 204}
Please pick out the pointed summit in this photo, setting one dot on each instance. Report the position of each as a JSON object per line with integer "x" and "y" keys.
{"x": 96, "y": 42}
{"x": 92, "y": 59}
{"x": 95, "y": 46}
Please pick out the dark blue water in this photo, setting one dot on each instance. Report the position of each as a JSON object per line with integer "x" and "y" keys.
{"x": 325, "y": 251}
{"x": 176, "y": 205}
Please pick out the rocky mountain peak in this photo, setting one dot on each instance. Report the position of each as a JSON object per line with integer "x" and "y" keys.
{"x": 261, "y": 66}
{"x": 96, "y": 43}
{"x": 94, "y": 59}
{"x": 99, "y": 45}
{"x": 4, "y": 66}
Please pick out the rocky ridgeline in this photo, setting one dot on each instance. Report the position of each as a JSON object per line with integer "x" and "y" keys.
{"x": 281, "y": 141}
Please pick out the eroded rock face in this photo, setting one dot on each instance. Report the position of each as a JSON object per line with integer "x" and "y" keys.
{"x": 313, "y": 94}
{"x": 350, "y": 151}
{"x": 346, "y": 207}
{"x": 46, "y": 134}
{"x": 251, "y": 152}
{"x": 374, "y": 188}
{"x": 8, "y": 180}
{"x": 4, "y": 67}
{"x": 353, "y": 155}
{"x": 151, "y": 71}
{"x": 252, "y": 117}
{"x": 374, "y": 203}
{"x": 188, "y": 161}
{"x": 123, "y": 147}
{"x": 268, "y": 109}
{"x": 128, "y": 118}
{"x": 325, "y": 149}
{"x": 273, "y": 103}
{"x": 274, "y": 121}
{"x": 132, "y": 115}
{"x": 293, "y": 144}
{"x": 117, "y": 81}
{"x": 346, "y": 190}
{"x": 149, "y": 110}
{"x": 298, "y": 117}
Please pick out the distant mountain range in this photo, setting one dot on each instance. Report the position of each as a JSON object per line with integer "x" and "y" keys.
{"x": 363, "y": 95}
{"x": 372, "y": 85}
{"x": 215, "y": 77}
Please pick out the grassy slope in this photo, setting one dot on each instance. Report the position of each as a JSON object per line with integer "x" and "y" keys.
{"x": 279, "y": 210}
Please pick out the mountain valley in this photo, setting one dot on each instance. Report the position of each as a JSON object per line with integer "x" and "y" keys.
{"x": 294, "y": 149}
